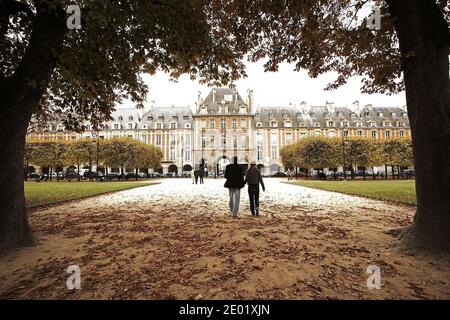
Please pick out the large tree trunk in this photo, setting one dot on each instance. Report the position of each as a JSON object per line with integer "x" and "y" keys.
{"x": 424, "y": 42}
{"x": 19, "y": 97}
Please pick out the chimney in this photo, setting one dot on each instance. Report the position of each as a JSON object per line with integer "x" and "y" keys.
{"x": 303, "y": 106}
{"x": 251, "y": 101}
{"x": 330, "y": 107}
{"x": 356, "y": 105}
{"x": 214, "y": 95}
{"x": 369, "y": 107}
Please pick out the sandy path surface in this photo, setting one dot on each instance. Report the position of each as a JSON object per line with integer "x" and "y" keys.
{"x": 176, "y": 240}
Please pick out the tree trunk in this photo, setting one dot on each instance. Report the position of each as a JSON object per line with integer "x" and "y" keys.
{"x": 20, "y": 94}
{"x": 424, "y": 44}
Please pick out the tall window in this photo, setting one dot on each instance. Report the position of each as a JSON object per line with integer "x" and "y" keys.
{"x": 212, "y": 123}
{"x": 223, "y": 123}
{"x": 243, "y": 123}
{"x": 274, "y": 152}
{"x": 212, "y": 141}
{"x": 187, "y": 139}
{"x": 158, "y": 140}
{"x": 187, "y": 154}
{"x": 288, "y": 137}
{"x": 172, "y": 154}
{"x": 224, "y": 139}
{"x": 259, "y": 152}
{"x": 234, "y": 142}
{"x": 387, "y": 134}
{"x": 203, "y": 141}
{"x": 374, "y": 134}
{"x": 173, "y": 139}
{"x": 402, "y": 133}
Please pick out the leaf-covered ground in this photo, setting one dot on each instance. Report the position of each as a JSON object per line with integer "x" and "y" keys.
{"x": 176, "y": 240}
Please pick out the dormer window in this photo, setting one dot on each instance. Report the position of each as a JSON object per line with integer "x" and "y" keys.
{"x": 285, "y": 115}
{"x": 130, "y": 126}
{"x": 316, "y": 124}
{"x": 130, "y": 118}
{"x": 185, "y": 117}
{"x": 393, "y": 114}
{"x": 144, "y": 126}
{"x": 302, "y": 124}
{"x": 367, "y": 114}
{"x": 159, "y": 125}
{"x": 372, "y": 124}
{"x": 150, "y": 118}
{"x": 173, "y": 125}
{"x": 288, "y": 124}
{"x": 120, "y": 118}
{"x": 273, "y": 124}
{"x": 259, "y": 125}
{"x": 161, "y": 118}
{"x": 404, "y": 115}
{"x": 344, "y": 123}
{"x": 270, "y": 115}
{"x": 116, "y": 126}
{"x": 330, "y": 123}
{"x": 312, "y": 114}
{"x": 380, "y": 114}
{"x": 386, "y": 123}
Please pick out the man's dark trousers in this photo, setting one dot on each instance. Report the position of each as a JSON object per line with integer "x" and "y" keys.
{"x": 253, "y": 193}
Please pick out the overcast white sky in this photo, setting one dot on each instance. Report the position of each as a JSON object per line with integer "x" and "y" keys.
{"x": 270, "y": 89}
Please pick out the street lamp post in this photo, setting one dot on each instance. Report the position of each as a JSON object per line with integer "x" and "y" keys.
{"x": 344, "y": 137}
{"x": 98, "y": 148}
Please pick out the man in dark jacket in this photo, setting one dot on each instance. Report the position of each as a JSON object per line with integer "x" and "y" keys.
{"x": 196, "y": 174}
{"x": 253, "y": 178}
{"x": 235, "y": 181}
{"x": 201, "y": 173}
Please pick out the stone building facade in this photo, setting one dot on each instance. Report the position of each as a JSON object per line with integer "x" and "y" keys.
{"x": 224, "y": 124}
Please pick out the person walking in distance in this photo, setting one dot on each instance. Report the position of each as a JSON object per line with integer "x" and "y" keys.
{"x": 289, "y": 174}
{"x": 202, "y": 173}
{"x": 253, "y": 178}
{"x": 235, "y": 182}
{"x": 196, "y": 174}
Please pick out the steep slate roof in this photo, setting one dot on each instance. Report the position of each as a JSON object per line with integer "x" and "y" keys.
{"x": 321, "y": 114}
{"x": 123, "y": 116}
{"x": 222, "y": 98}
{"x": 167, "y": 115}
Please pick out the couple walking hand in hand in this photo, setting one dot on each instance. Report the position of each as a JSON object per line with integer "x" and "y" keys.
{"x": 234, "y": 173}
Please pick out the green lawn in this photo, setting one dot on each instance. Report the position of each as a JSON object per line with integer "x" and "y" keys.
{"x": 403, "y": 191}
{"x": 42, "y": 193}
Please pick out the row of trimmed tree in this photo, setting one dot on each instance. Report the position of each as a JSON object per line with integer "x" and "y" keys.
{"x": 123, "y": 153}
{"x": 331, "y": 152}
